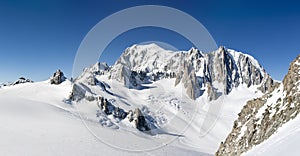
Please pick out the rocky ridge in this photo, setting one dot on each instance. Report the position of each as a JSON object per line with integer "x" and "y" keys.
{"x": 260, "y": 118}
{"x": 136, "y": 117}
{"x": 22, "y": 80}
{"x": 58, "y": 77}
{"x": 217, "y": 72}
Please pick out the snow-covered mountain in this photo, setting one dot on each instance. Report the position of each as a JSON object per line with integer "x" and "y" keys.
{"x": 151, "y": 101}
{"x": 217, "y": 72}
{"x": 149, "y": 88}
{"x": 260, "y": 118}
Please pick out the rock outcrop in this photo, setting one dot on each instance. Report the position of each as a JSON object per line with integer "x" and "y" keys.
{"x": 136, "y": 117}
{"x": 58, "y": 77}
{"x": 77, "y": 93}
{"x": 22, "y": 80}
{"x": 88, "y": 74}
{"x": 260, "y": 118}
{"x": 189, "y": 80}
{"x": 108, "y": 108}
{"x": 81, "y": 88}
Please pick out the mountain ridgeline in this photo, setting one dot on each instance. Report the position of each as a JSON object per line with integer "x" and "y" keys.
{"x": 217, "y": 72}
{"x": 153, "y": 91}
{"x": 210, "y": 74}
{"x": 260, "y": 118}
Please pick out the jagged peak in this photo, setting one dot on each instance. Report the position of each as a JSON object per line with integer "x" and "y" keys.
{"x": 222, "y": 48}
{"x": 195, "y": 52}
{"x": 296, "y": 61}
{"x": 154, "y": 49}
{"x": 97, "y": 67}
{"x": 224, "y": 65}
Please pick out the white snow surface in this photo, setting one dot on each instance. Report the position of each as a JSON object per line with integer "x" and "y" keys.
{"x": 35, "y": 119}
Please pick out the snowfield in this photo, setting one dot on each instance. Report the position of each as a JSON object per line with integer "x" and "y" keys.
{"x": 35, "y": 119}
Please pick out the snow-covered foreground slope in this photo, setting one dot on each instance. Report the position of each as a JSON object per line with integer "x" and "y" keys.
{"x": 35, "y": 120}
{"x": 283, "y": 142}
{"x": 260, "y": 119}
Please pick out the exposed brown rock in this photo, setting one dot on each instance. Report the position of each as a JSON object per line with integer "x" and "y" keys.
{"x": 257, "y": 128}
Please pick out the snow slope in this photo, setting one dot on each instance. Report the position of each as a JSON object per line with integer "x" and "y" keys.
{"x": 284, "y": 142}
{"x": 35, "y": 120}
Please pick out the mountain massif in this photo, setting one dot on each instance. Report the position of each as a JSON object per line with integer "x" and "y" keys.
{"x": 217, "y": 72}
{"x": 153, "y": 101}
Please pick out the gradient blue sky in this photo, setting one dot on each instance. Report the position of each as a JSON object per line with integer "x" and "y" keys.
{"x": 39, "y": 36}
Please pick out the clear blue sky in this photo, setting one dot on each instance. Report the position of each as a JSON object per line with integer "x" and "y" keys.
{"x": 39, "y": 36}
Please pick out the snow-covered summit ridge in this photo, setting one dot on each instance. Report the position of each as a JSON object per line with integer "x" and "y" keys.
{"x": 220, "y": 70}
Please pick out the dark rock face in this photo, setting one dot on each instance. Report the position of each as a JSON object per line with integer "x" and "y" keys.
{"x": 138, "y": 119}
{"x": 77, "y": 92}
{"x": 224, "y": 68}
{"x": 260, "y": 118}
{"x": 58, "y": 77}
{"x": 135, "y": 116}
{"x": 22, "y": 80}
{"x": 108, "y": 108}
{"x": 119, "y": 113}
